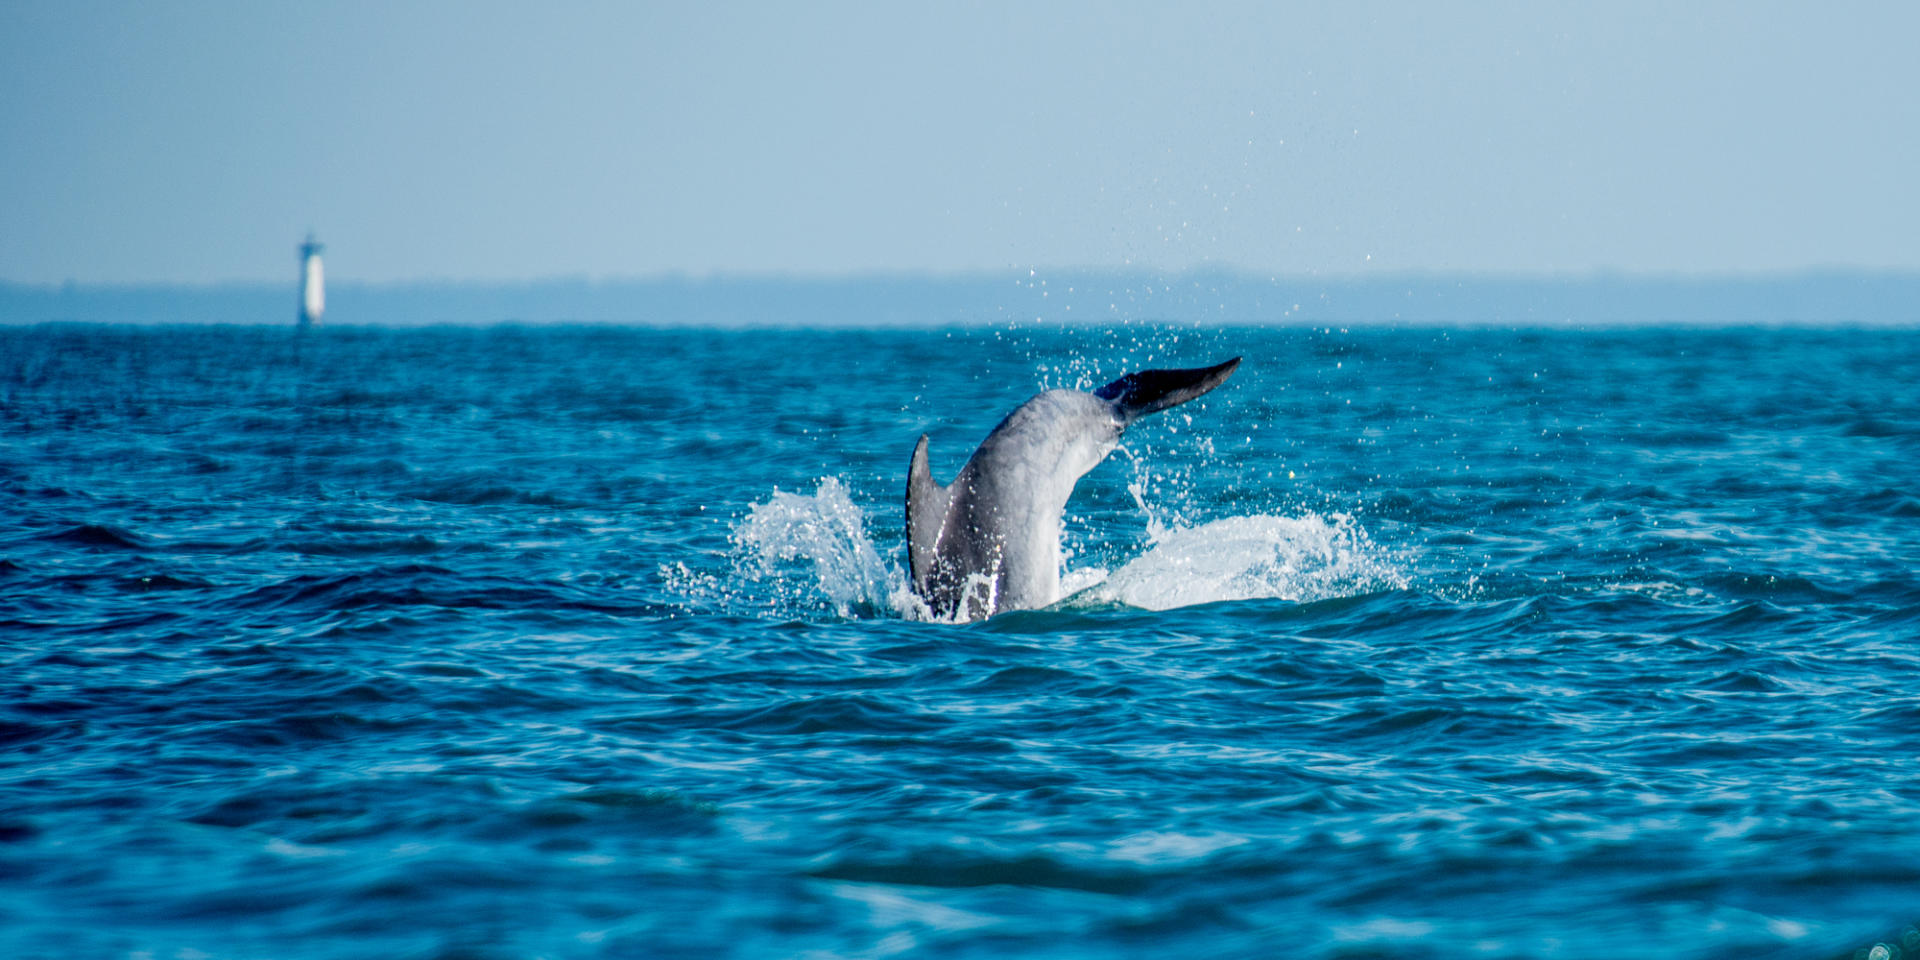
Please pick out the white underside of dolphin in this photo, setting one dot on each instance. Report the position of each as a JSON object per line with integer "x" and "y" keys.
{"x": 990, "y": 541}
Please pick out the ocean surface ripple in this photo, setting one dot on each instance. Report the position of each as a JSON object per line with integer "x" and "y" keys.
{"x": 583, "y": 642}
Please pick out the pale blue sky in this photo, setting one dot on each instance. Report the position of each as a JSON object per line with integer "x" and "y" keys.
{"x": 197, "y": 142}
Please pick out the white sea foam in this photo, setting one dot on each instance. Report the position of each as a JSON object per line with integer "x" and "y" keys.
{"x": 795, "y": 554}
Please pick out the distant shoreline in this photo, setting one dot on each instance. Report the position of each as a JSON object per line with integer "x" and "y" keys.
{"x": 1063, "y": 297}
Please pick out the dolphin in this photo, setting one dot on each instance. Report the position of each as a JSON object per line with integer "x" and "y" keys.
{"x": 990, "y": 541}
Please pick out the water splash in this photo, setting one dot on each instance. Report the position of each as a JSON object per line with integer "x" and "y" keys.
{"x": 801, "y": 555}
{"x": 797, "y": 555}
{"x": 1299, "y": 559}
{"x": 815, "y": 548}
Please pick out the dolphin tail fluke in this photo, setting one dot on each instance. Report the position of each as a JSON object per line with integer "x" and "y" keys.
{"x": 1138, "y": 394}
{"x": 927, "y": 503}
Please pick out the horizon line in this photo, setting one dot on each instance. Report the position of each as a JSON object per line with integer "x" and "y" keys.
{"x": 1243, "y": 274}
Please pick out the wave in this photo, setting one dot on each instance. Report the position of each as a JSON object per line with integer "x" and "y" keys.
{"x": 96, "y": 535}
{"x": 410, "y": 585}
{"x": 960, "y": 868}
{"x": 484, "y": 489}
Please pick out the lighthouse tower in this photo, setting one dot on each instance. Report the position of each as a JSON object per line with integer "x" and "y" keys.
{"x": 313, "y": 291}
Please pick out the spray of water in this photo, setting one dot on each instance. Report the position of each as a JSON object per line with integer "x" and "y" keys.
{"x": 1259, "y": 557}
{"x": 800, "y": 555}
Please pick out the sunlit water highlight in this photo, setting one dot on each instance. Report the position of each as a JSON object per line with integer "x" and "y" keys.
{"x": 596, "y": 642}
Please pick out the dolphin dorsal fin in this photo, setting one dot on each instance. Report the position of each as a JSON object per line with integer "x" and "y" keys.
{"x": 927, "y": 503}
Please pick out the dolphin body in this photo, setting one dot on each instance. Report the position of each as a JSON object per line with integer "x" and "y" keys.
{"x": 991, "y": 541}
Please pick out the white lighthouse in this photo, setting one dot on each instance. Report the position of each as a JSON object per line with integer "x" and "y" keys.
{"x": 313, "y": 288}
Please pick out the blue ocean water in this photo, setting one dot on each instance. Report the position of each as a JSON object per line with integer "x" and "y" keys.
{"x": 593, "y": 641}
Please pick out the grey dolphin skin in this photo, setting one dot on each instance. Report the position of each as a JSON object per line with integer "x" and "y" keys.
{"x": 991, "y": 541}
